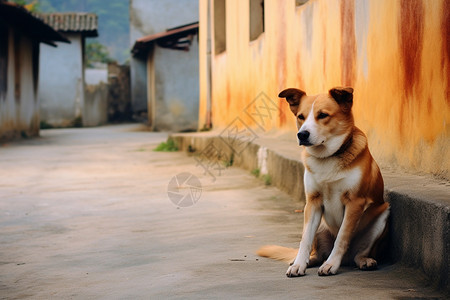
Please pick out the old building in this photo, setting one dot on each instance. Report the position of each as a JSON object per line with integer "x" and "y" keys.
{"x": 62, "y": 83}
{"x": 395, "y": 54}
{"x": 20, "y": 36}
{"x": 164, "y": 67}
{"x": 172, "y": 77}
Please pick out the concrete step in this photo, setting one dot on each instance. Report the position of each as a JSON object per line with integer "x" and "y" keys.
{"x": 420, "y": 205}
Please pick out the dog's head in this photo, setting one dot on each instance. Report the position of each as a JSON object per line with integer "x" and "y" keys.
{"x": 324, "y": 121}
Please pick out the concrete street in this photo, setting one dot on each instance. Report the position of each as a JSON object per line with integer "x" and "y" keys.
{"x": 86, "y": 214}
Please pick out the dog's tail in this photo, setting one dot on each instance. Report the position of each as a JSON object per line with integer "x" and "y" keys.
{"x": 278, "y": 253}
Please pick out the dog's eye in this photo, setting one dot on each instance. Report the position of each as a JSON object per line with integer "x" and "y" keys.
{"x": 322, "y": 116}
{"x": 301, "y": 117}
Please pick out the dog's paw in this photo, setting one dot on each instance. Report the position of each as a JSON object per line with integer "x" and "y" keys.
{"x": 327, "y": 269}
{"x": 367, "y": 264}
{"x": 296, "y": 270}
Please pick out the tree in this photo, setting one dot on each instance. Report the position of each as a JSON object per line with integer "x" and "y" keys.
{"x": 96, "y": 52}
{"x": 28, "y": 5}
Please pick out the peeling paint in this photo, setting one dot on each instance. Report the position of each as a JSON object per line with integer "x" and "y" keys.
{"x": 281, "y": 50}
{"x": 411, "y": 42}
{"x": 446, "y": 45}
{"x": 348, "y": 45}
{"x": 4, "y": 36}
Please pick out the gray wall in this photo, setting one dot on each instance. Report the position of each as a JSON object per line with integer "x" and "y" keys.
{"x": 61, "y": 82}
{"x": 138, "y": 77}
{"x": 176, "y": 84}
{"x": 149, "y": 17}
{"x": 95, "y": 105}
{"x": 153, "y": 16}
{"x": 19, "y": 109}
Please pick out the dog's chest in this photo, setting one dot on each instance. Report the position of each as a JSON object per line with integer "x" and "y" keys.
{"x": 333, "y": 208}
{"x": 332, "y": 183}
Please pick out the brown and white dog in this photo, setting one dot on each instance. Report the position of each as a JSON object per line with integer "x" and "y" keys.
{"x": 345, "y": 216}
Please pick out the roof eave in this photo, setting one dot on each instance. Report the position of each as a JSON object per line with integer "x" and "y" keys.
{"x": 143, "y": 44}
{"x": 31, "y": 26}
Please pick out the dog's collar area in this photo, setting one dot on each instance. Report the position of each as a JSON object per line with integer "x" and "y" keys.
{"x": 347, "y": 143}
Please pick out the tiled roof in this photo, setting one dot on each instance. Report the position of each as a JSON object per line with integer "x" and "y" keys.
{"x": 173, "y": 38}
{"x": 85, "y": 23}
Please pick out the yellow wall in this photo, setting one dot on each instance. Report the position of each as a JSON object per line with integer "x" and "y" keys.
{"x": 396, "y": 55}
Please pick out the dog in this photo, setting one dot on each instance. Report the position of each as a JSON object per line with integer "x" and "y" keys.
{"x": 345, "y": 216}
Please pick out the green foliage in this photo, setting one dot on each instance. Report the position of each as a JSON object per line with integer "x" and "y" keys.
{"x": 45, "y": 125}
{"x": 205, "y": 128}
{"x": 267, "y": 179}
{"x": 77, "y": 122}
{"x": 30, "y": 5}
{"x": 191, "y": 149}
{"x": 229, "y": 163}
{"x": 96, "y": 52}
{"x": 255, "y": 172}
{"x": 24, "y": 134}
{"x": 168, "y": 146}
{"x": 20, "y": 2}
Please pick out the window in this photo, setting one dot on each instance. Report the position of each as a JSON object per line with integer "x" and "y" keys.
{"x": 300, "y": 2}
{"x": 256, "y": 18}
{"x": 220, "y": 42}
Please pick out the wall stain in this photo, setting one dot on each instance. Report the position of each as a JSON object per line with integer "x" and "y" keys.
{"x": 4, "y": 42}
{"x": 281, "y": 114}
{"x": 135, "y": 19}
{"x": 35, "y": 68}
{"x": 299, "y": 77}
{"x": 228, "y": 94}
{"x": 281, "y": 50}
{"x": 411, "y": 43}
{"x": 324, "y": 55}
{"x": 446, "y": 45}
{"x": 348, "y": 44}
{"x": 281, "y": 61}
{"x": 17, "y": 67}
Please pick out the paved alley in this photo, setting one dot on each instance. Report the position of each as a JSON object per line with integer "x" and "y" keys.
{"x": 90, "y": 214}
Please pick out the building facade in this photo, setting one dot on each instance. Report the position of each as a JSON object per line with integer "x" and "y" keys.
{"x": 172, "y": 77}
{"x": 62, "y": 82}
{"x": 395, "y": 54}
{"x": 20, "y": 36}
{"x": 164, "y": 78}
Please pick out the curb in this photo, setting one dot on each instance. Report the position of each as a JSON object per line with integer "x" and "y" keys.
{"x": 420, "y": 207}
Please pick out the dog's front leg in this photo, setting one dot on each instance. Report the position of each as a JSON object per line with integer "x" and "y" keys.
{"x": 353, "y": 212}
{"x": 313, "y": 215}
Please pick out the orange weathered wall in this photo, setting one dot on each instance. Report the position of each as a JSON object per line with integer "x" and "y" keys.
{"x": 395, "y": 54}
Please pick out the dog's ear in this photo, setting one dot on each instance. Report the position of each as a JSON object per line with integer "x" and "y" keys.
{"x": 293, "y": 97}
{"x": 343, "y": 96}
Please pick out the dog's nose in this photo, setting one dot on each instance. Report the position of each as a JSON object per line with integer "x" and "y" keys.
{"x": 303, "y": 136}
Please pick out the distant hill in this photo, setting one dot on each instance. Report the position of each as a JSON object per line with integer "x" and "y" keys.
{"x": 113, "y": 18}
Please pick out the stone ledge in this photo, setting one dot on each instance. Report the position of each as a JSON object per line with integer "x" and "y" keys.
{"x": 420, "y": 205}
